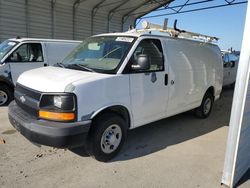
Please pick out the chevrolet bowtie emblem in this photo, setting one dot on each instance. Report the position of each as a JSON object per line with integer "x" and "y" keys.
{"x": 22, "y": 99}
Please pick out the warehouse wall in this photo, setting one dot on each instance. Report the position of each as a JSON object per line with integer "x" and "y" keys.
{"x": 43, "y": 19}
{"x": 39, "y": 19}
{"x": 12, "y": 18}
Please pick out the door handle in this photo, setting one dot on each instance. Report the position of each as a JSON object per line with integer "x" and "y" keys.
{"x": 166, "y": 79}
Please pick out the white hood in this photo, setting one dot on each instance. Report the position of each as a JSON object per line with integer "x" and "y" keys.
{"x": 55, "y": 79}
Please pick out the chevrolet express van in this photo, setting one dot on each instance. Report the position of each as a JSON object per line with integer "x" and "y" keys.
{"x": 112, "y": 83}
{"x": 21, "y": 54}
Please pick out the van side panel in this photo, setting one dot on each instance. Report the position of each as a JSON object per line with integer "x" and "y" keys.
{"x": 57, "y": 51}
{"x": 98, "y": 94}
{"x": 193, "y": 68}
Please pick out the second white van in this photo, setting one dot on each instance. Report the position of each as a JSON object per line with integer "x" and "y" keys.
{"x": 21, "y": 54}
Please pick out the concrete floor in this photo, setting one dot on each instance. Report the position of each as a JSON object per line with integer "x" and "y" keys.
{"x": 181, "y": 151}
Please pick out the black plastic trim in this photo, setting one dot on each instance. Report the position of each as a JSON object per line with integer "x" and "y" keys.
{"x": 61, "y": 135}
{"x": 73, "y": 110}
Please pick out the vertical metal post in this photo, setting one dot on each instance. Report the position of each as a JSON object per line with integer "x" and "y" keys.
{"x": 112, "y": 12}
{"x": 93, "y": 13}
{"x": 1, "y": 25}
{"x": 53, "y": 2}
{"x": 126, "y": 15}
{"x": 76, "y": 3}
{"x": 27, "y": 21}
{"x": 239, "y": 102}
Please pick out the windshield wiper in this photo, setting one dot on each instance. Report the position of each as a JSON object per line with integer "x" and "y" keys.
{"x": 112, "y": 51}
{"x": 59, "y": 64}
{"x": 83, "y": 67}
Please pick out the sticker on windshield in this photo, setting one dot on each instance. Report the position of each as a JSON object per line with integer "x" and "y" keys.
{"x": 11, "y": 43}
{"x": 124, "y": 39}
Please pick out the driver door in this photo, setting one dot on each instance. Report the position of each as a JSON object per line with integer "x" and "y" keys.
{"x": 149, "y": 89}
{"x": 26, "y": 57}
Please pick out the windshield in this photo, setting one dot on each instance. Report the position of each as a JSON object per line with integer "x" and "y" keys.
{"x": 99, "y": 54}
{"x": 5, "y": 47}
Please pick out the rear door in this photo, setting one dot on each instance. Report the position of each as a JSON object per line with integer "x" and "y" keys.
{"x": 149, "y": 89}
{"x": 26, "y": 57}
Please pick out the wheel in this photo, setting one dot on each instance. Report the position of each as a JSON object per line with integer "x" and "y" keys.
{"x": 6, "y": 95}
{"x": 106, "y": 137}
{"x": 204, "y": 110}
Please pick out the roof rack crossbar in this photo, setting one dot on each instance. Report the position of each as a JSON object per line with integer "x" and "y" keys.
{"x": 175, "y": 32}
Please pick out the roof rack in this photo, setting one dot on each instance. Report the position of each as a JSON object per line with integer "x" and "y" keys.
{"x": 175, "y": 32}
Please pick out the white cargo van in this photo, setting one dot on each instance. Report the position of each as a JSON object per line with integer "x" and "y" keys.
{"x": 21, "y": 54}
{"x": 230, "y": 67}
{"x": 115, "y": 82}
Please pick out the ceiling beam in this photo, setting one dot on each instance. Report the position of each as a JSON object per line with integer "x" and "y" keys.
{"x": 197, "y": 9}
{"x": 75, "y": 5}
{"x": 112, "y": 11}
{"x": 93, "y": 13}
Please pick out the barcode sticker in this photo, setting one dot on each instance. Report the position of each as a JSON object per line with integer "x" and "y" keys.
{"x": 124, "y": 39}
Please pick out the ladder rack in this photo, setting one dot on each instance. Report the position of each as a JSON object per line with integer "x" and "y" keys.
{"x": 175, "y": 32}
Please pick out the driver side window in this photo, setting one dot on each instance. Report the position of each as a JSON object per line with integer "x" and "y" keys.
{"x": 27, "y": 53}
{"x": 153, "y": 49}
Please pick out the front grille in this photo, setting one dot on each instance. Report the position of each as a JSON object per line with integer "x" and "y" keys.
{"x": 29, "y": 92}
{"x": 27, "y": 99}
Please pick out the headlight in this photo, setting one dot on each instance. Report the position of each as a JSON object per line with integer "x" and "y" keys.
{"x": 58, "y": 107}
{"x": 58, "y": 101}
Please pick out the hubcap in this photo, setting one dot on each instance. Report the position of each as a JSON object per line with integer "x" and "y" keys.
{"x": 3, "y": 98}
{"x": 111, "y": 138}
{"x": 207, "y": 105}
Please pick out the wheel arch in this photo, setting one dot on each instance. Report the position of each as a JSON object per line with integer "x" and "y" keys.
{"x": 211, "y": 90}
{"x": 117, "y": 109}
{"x": 4, "y": 81}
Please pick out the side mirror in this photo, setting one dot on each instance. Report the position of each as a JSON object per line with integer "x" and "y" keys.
{"x": 143, "y": 63}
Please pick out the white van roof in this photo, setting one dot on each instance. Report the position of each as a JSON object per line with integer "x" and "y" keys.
{"x": 42, "y": 40}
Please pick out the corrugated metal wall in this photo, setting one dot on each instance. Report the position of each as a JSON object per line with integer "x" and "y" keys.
{"x": 39, "y": 19}
{"x": 55, "y": 19}
{"x": 12, "y": 18}
{"x": 82, "y": 22}
{"x": 63, "y": 20}
{"x": 100, "y": 22}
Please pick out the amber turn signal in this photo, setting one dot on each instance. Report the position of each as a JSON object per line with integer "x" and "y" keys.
{"x": 57, "y": 116}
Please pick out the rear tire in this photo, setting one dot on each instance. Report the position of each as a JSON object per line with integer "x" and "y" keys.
{"x": 6, "y": 95}
{"x": 204, "y": 110}
{"x": 106, "y": 136}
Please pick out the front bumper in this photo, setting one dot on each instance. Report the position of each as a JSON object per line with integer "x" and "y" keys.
{"x": 49, "y": 133}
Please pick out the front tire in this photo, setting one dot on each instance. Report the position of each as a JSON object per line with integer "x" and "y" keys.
{"x": 6, "y": 95}
{"x": 107, "y": 136}
{"x": 204, "y": 110}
